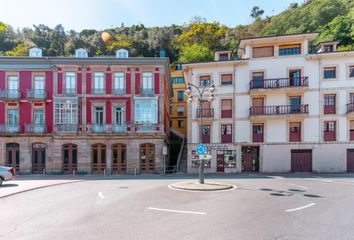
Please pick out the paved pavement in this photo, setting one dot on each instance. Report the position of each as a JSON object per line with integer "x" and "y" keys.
{"x": 262, "y": 207}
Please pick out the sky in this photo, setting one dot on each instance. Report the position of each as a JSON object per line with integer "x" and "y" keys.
{"x": 103, "y": 14}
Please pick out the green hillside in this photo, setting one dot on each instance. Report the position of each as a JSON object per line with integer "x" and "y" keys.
{"x": 194, "y": 41}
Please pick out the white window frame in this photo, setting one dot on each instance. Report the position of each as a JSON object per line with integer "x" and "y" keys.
{"x": 146, "y": 110}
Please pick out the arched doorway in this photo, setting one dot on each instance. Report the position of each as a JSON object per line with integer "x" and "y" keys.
{"x": 119, "y": 158}
{"x": 38, "y": 157}
{"x": 69, "y": 158}
{"x": 13, "y": 155}
{"x": 147, "y": 158}
{"x": 98, "y": 156}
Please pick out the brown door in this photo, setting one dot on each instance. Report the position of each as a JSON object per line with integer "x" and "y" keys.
{"x": 350, "y": 160}
{"x": 119, "y": 159}
{"x": 69, "y": 158}
{"x": 301, "y": 160}
{"x": 220, "y": 163}
{"x": 98, "y": 158}
{"x": 257, "y": 105}
{"x": 250, "y": 159}
{"x": 38, "y": 160}
{"x": 13, "y": 155}
{"x": 147, "y": 158}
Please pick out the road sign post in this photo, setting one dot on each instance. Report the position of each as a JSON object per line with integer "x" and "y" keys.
{"x": 200, "y": 149}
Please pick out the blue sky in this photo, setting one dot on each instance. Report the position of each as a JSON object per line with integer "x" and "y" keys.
{"x": 101, "y": 14}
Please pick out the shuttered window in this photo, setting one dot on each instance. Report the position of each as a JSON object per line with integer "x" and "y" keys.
{"x": 258, "y": 52}
{"x": 226, "y": 79}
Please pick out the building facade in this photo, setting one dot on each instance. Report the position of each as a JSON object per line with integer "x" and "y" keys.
{"x": 178, "y": 107}
{"x": 84, "y": 114}
{"x": 278, "y": 108}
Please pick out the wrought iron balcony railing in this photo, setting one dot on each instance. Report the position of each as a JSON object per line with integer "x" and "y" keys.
{"x": 118, "y": 91}
{"x": 147, "y": 92}
{"x": 37, "y": 94}
{"x": 278, "y": 110}
{"x": 279, "y": 83}
{"x": 9, "y": 128}
{"x": 205, "y": 112}
{"x": 69, "y": 91}
{"x": 36, "y": 128}
{"x": 350, "y": 107}
{"x": 10, "y": 94}
{"x": 98, "y": 91}
{"x": 66, "y": 128}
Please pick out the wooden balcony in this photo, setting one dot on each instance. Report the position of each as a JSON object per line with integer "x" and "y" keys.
{"x": 350, "y": 107}
{"x": 10, "y": 94}
{"x": 36, "y": 94}
{"x": 275, "y": 83}
{"x": 205, "y": 112}
{"x": 278, "y": 110}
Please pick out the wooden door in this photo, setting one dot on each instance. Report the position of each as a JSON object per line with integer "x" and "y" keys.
{"x": 119, "y": 159}
{"x": 250, "y": 159}
{"x": 220, "y": 163}
{"x": 147, "y": 158}
{"x": 301, "y": 160}
{"x": 13, "y": 156}
{"x": 69, "y": 158}
{"x": 98, "y": 159}
{"x": 257, "y": 105}
{"x": 350, "y": 160}
{"x": 38, "y": 160}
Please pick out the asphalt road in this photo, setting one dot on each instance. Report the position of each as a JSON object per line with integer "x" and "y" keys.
{"x": 261, "y": 208}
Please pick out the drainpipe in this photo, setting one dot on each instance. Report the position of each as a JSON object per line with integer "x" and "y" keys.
{"x": 319, "y": 100}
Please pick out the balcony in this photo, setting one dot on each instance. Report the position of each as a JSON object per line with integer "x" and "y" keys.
{"x": 294, "y": 136}
{"x": 99, "y": 128}
{"x": 66, "y": 128}
{"x": 257, "y": 137}
{"x": 119, "y": 128}
{"x": 205, "y": 138}
{"x": 6, "y": 129}
{"x": 351, "y": 135}
{"x": 147, "y": 127}
{"x": 69, "y": 91}
{"x": 10, "y": 94}
{"x": 279, "y": 110}
{"x": 275, "y": 83}
{"x": 36, "y": 128}
{"x": 329, "y": 109}
{"x": 226, "y": 113}
{"x": 147, "y": 92}
{"x": 329, "y": 136}
{"x": 118, "y": 91}
{"x": 226, "y": 138}
{"x": 205, "y": 112}
{"x": 36, "y": 94}
{"x": 350, "y": 107}
{"x": 98, "y": 91}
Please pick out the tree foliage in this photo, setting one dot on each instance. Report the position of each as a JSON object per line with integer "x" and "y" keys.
{"x": 194, "y": 41}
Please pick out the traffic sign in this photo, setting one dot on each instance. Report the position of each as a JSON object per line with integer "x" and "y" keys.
{"x": 200, "y": 149}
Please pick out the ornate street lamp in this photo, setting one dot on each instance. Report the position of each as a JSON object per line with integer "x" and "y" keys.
{"x": 204, "y": 92}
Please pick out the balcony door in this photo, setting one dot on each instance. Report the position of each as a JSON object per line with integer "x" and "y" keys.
{"x": 294, "y": 76}
{"x": 12, "y": 120}
{"x": 295, "y": 104}
{"x": 98, "y": 114}
{"x": 147, "y": 82}
{"x": 38, "y": 83}
{"x": 257, "y": 106}
{"x": 12, "y": 86}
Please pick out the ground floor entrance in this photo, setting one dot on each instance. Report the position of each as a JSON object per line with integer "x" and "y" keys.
{"x": 350, "y": 160}
{"x": 38, "y": 158}
{"x": 147, "y": 158}
{"x": 69, "y": 158}
{"x": 98, "y": 155}
{"x": 13, "y": 155}
{"x": 250, "y": 159}
{"x": 301, "y": 160}
{"x": 119, "y": 159}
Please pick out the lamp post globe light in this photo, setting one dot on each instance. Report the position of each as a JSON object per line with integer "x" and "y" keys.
{"x": 202, "y": 93}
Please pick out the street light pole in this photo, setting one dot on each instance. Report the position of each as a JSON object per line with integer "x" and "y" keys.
{"x": 199, "y": 95}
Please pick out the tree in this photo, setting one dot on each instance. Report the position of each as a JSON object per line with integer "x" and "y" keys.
{"x": 57, "y": 38}
{"x": 20, "y": 50}
{"x": 256, "y": 12}
{"x": 195, "y": 53}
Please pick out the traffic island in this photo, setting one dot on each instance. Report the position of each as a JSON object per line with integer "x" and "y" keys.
{"x": 207, "y": 186}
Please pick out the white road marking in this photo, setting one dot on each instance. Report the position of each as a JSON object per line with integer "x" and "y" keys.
{"x": 188, "y": 190}
{"x": 300, "y": 208}
{"x": 177, "y": 211}
{"x": 299, "y": 186}
{"x": 101, "y": 195}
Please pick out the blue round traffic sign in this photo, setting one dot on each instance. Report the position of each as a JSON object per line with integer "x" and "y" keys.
{"x": 200, "y": 149}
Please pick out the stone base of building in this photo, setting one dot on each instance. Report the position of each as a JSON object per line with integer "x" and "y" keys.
{"x": 141, "y": 155}
{"x": 276, "y": 158}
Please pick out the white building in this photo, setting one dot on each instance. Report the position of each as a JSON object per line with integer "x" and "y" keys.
{"x": 278, "y": 108}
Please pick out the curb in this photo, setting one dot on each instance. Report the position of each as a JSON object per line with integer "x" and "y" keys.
{"x": 184, "y": 187}
{"x": 35, "y": 188}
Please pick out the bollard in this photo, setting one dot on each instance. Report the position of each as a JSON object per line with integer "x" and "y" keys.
{"x": 104, "y": 172}
{"x": 43, "y": 171}
{"x": 135, "y": 171}
{"x": 74, "y": 172}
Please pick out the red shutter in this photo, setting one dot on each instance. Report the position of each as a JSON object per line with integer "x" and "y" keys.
{"x": 88, "y": 80}
{"x": 157, "y": 81}
{"x": 128, "y": 79}
{"x": 60, "y": 81}
{"x": 88, "y": 112}
{"x": 108, "y": 81}
{"x": 49, "y": 116}
{"x": 2, "y": 80}
{"x": 108, "y": 112}
{"x": 79, "y": 80}
{"x": 137, "y": 81}
{"x": 128, "y": 112}
{"x": 2, "y": 113}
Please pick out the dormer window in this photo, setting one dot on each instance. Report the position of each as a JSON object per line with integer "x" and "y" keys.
{"x": 35, "y": 52}
{"x": 223, "y": 57}
{"x": 122, "y": 53}
{"x": 81, "y": 53}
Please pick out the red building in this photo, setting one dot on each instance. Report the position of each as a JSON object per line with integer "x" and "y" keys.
{"x": 84, "y": 114}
